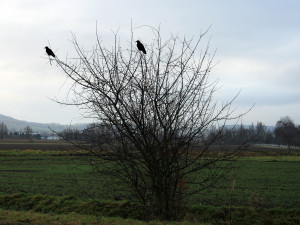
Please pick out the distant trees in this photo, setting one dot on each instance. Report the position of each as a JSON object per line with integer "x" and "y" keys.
{"x": 25, "y": 133}
{"x": 239, "y": 134}
{"x": 286, "y": 131}
{"x": 260, "y": 132}
{"x": 270, "y": 137}
{"x": 28, "y": 132}
{"x": 3, "y": 130}
{"x": 91, "y": 133}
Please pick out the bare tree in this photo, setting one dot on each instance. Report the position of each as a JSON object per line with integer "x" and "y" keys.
{"x": 153, "y": 113}
{"x": 3, "y": 130}
{"x": 261, "y": 132}
{"x": 286, "y": 131}
{"x": 28, "y": 132}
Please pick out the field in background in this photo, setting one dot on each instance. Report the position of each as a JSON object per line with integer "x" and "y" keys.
{"x": 267, "y": 177}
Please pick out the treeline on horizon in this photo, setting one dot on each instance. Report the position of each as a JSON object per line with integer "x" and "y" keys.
{"x": 286, "y": 132}
{"x": 26, "y": 133}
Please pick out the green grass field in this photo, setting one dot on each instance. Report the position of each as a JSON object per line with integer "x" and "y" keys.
{"x": 9, "y": 217}
{"x": 274, "y": 180}
{"x": 261, "y": 181}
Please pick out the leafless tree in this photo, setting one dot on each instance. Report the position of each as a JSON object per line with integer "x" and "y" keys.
{"x": 153, "y": 112}
{"x": 3, "y": 130}
{"x": 286, "y": 131}
{"x": 28, "y": 132}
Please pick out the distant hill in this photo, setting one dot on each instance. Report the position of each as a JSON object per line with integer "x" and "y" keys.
{"x": 19, "y": 125}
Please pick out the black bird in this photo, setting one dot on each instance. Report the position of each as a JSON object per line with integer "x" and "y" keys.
{"x": 49, "y": 52}
{"x": 140, "y": 46}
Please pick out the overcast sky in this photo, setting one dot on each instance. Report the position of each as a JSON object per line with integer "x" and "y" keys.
{"x": 257, "y": 42}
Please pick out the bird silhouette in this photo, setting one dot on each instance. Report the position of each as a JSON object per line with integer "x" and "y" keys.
{"x": 140, "y": 46}
{"x": 49, "y": 52}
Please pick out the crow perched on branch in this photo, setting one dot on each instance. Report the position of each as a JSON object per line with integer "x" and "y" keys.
{"x": 49, "y": 52}
{"x": 140, "y": 46}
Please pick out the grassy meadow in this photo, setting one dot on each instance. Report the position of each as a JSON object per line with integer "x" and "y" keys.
{"x": 44, "y": 181}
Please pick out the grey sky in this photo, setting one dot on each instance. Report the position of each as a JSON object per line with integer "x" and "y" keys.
{"x": 257, "y": 42}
